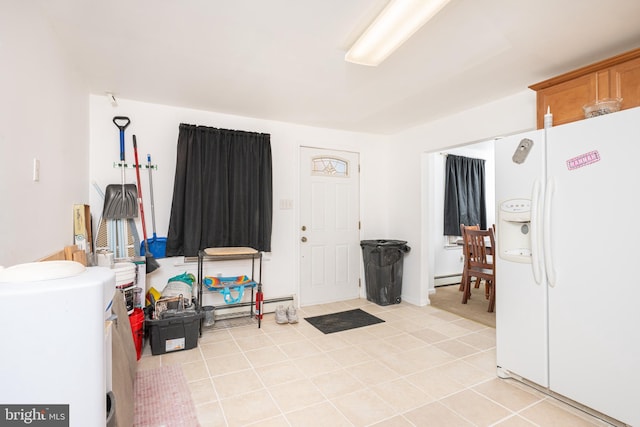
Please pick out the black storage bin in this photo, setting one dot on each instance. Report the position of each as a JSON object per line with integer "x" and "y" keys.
{"x": 383, "y": 260}
{"x": 174, "y": 333}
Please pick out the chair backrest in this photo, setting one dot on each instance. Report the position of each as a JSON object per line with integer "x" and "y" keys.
{"x": 467, "y": 227}
{"x": 479, "y": 245}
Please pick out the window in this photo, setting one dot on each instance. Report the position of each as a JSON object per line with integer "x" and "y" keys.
{"x": 222, "y": 193}
{"x": 464, "y": 200}
{"x": 329, "y": 166}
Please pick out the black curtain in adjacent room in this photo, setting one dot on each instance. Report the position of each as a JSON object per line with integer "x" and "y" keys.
{"x": 222, "y": 193}
{"x": 464, "y": 197}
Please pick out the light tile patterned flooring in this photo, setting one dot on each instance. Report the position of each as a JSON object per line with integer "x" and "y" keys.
{"x": 422, "y": 367}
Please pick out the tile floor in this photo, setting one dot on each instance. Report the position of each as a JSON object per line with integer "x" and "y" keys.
{"x": 422, "y": 367}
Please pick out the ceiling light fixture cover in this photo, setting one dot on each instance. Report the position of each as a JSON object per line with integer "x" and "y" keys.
{"x": 398, "y": 21}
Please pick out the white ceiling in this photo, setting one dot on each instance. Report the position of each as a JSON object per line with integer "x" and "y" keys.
{"x": 284, "y": 59}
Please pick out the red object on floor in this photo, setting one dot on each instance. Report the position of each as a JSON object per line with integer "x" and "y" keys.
{"x": 259, "y": 300}
{"x": 136, "y": 319}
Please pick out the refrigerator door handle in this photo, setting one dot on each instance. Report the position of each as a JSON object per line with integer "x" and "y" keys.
{"x": 535, "y": 226}
{"x": 548, "y": 258}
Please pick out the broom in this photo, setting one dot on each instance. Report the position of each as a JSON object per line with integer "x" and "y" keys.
{"x": 151, "y": 262}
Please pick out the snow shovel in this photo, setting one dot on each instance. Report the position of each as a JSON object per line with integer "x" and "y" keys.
{"x": 157, "y": 245}
{"x": 120, "y": 201}
{"x": 150, "y": 261}
{"x": 110, "y": 236}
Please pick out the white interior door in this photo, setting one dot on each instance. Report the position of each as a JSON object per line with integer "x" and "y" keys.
{"x": 329, "y": 226}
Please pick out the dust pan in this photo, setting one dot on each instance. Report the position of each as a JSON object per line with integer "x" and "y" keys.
{"x": 156, "y": 245}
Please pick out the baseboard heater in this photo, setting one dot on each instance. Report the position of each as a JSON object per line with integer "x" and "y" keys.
{"x": 269, "y": 305}
{"x": 447, "y": 279}
{"x": 446, "y": 276}
{"x": 238, "y": 309}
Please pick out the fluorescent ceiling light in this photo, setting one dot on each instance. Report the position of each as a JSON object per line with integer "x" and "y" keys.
{"x": 398, "y": 21}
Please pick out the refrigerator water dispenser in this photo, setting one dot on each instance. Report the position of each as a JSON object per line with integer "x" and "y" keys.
{"x": 514, "y": 237}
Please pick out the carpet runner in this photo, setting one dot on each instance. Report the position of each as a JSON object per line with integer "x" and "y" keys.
{"x": 162, "y": 398}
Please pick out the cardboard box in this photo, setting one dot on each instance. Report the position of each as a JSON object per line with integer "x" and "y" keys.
{"x": 82, "y": 236}
{"x": 141, "y": 278}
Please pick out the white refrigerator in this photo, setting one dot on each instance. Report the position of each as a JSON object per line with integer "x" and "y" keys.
{"x": 567, "y": 288}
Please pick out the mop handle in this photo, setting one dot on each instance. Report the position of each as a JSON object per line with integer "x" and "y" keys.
{"x": 153, "y": 210}
{"x": 144, "y": 227}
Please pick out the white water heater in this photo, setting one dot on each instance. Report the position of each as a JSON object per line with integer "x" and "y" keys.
{"x": 53, "y": 362}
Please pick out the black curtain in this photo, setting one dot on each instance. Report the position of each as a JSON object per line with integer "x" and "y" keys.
{"x": 464, "y": 194}
{"x": 222, "y": 193}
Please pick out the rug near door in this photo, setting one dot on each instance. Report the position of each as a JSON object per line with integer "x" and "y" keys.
{"x": 343, "y": 321}
{"x": 449, "y": 298}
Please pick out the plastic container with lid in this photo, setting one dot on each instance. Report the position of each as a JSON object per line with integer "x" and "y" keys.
{"x": 601, "y": 107}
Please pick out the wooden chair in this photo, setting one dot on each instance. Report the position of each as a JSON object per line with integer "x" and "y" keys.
{"x": 464, "y": 269}
{"x": 479, "y": 263}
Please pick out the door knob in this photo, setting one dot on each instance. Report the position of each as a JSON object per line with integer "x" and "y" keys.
{"x": 304, "y": 239}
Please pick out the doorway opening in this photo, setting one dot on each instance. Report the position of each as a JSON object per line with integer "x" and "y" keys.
{"x": 446, "y": 260}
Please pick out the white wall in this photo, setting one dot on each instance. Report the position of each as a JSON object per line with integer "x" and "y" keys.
{"x": 156, "y": 130}
{"x": 407, "y": 202}
{"x": 44, "y": 115}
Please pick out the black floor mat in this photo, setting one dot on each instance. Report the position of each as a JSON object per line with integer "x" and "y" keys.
{"x": 342, "y": 321}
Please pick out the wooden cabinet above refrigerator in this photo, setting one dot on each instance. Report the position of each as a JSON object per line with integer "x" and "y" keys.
{"x": 566, "y": 94}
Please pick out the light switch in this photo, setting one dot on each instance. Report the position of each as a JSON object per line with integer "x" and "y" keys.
{"x": 286, "y": 204}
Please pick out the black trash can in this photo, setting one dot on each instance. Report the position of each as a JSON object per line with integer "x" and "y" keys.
{"x": 383, "y": 261}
